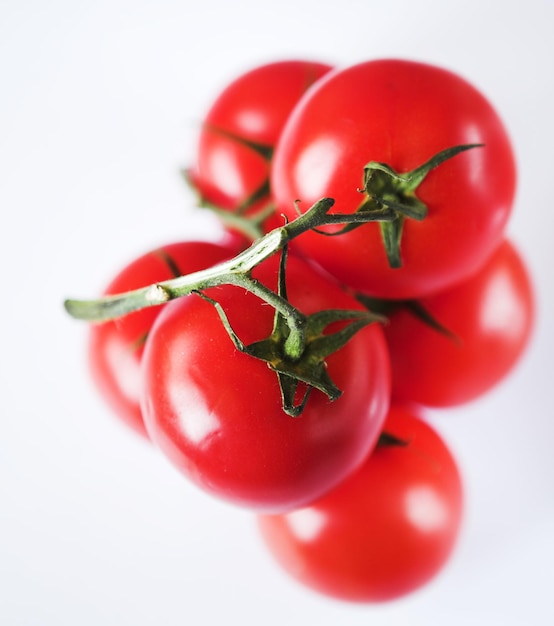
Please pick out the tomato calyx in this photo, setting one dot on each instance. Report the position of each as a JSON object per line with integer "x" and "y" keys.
{"x": 386, "y": 188}
{"x": 264, "y": 150}
{"x": 390, "y": 193}
{"x": 239, "y": 217}
{"x": 388, "y": 440}
{"x": 298, "y": 358}
{"x": 414, "y": 307}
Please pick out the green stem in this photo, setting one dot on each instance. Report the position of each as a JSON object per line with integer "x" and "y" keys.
{"x": 235, "y": 271}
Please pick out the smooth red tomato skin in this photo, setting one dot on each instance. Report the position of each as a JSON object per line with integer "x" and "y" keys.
{"x": 386, "y": 530}
{"x": 254, "y": 107}
{"x": 115, "y": 348}
{"x": 216, "y": 412}
{"x": 491, "y": 315}
{"x": 400, "y": 113}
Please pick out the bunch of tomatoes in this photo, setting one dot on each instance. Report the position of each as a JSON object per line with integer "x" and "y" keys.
{"x": 294, "y": 377}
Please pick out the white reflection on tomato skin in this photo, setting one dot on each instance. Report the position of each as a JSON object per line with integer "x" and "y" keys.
{"x": 306, "y": 524}
{"x": 196, "y": 421}
{"x": 122, "y": 359}
{"x": 501, "y": 310}
{"x": 425, "y": 509}
{"x": 251, "y": 122}
{"x": 475, "y": 165}
{"x": 316, "y": 163}
{"x": 228, "y": 179}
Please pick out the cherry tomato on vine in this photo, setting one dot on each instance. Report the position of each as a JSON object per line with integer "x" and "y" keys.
{"x": 400, "y": 113}
{"x": 490, "y": 316}
{"x": 386, "y": 530}
{"x": 217, "y": 414}
{"x": 115, "y": 348}
{"x": 239, "y": 133}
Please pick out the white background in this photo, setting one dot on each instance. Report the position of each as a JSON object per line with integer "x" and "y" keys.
{"x": 99, "y": 102}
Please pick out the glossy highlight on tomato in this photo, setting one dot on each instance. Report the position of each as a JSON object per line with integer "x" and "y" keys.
{"x": 401, "y": 113}
{"x": 386, "y": 530}
{"x": 490, "y": 317}
{"x": 216, "y": 412}
{"x": 115, "y": 348}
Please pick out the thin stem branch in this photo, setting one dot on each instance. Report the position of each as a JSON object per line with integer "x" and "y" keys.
{"x": 236, "y": 271}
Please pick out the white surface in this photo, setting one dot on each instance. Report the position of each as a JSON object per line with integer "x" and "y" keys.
{"x": 99, "y": 102}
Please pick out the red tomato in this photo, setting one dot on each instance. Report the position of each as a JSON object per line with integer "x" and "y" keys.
{"x": 400, "y": 113}
{"x": 383, "y": 532}
{"x": 491, "y": 315}
{"x": 241, "y": 129}
{"x": 217, "y": 414}
{"x": 115, "y": 347}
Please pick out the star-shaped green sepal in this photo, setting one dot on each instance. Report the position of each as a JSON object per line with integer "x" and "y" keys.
{"x": 391, "y": 197}
{"x": 301, "y": 368}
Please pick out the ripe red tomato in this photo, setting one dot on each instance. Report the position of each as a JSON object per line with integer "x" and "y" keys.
{"x": 400, "y": 113}
{"x": 386, "y": 530}
{"x": 217, "y": 414}
{"x": 241, "y": 129}
{"x": 115, "y": 348}
{"x": 491, "y": 315}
